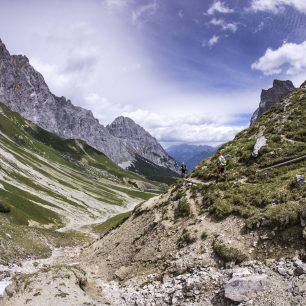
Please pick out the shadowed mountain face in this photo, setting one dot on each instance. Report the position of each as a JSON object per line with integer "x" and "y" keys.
{"x": 191, "y": 155}
{"x": 24, "y": 90}
{"x": 272, "y": 97}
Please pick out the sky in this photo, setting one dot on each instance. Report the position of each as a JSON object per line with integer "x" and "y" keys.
{"x": 187, "y": 71}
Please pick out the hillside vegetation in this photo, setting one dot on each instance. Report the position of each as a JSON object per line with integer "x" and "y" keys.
{"x": 264, "y": 197}
{"x": 251, "y": 213}
{"x": 48, "y": 183}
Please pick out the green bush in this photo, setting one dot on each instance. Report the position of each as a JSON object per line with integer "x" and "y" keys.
{"x": 179, "y": 194}
{"x": 221, "y": 208}
{"x": 4, "y": 209}
{"x": 204, "y": 235}
{"x": 183, "y": 209}
{"x": 276, "y": 138}
{"x": 185, "y": 239}
{"x": 228, "y": 253}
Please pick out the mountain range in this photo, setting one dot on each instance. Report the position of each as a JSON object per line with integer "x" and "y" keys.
{"x": 24, "y": 90}
{"x": 191, "y": 155}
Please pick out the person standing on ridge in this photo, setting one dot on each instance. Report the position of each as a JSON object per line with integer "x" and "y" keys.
{"x": 183, "y": 169}
{"x": 221, "y": 164}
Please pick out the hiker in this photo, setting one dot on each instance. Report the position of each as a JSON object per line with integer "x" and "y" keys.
{"x": 183, "y": 169}
{"x": 221, "y": 164}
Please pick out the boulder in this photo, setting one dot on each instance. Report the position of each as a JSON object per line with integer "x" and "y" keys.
{"x": 241, "y": 289}
{"x": 260, "y": 142}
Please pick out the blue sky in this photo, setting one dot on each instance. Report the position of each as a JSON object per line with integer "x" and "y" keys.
{"x": 187, "y": 71}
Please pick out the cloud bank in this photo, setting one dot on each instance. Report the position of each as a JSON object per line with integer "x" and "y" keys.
{"x": 289, "y": 58}
{"x": 277, "y": 6}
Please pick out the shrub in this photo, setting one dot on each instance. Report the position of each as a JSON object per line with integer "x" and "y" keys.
{"x": 178, "y": 195}
{"x": 204, "y": 235}
{"x": 228, "y": 253}
{"x": 183, "y": 209}
{"x": 4, "y": 209}
{"x": 276, "y": 138}
{"x": 185, "y": 239}
{"x": 221, "y": 208}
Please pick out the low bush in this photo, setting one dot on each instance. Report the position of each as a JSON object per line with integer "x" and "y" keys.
{"x": 185, "y": 239}
{"x": 4, "y": 209}
{"x": 183, "y": 209}
{"x": 228, "y": 253}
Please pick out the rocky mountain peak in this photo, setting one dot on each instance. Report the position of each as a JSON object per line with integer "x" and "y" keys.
{"x": 303, "y": 85}
{"x": 24, "y": 90}
{"x": 272, "y": 96}
{"x": 124, "y": 127}
{"x": 139, "y": 141}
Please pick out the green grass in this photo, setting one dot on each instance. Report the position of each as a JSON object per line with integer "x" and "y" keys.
{"x": 111, "y": 223}
{"x": 267, "y": 198}
{"x": 228, "y": 254}
{"x": 183, "y": 209}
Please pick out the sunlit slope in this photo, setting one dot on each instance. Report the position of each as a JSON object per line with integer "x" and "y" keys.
{"x": 51, "y": 183}
{"x": 268, "y": 197}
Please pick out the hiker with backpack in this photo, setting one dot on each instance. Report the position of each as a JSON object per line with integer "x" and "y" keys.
{"x": 183, "y": 169}
{"x": 221, "y": 164}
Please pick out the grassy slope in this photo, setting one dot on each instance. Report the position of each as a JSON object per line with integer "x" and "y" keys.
{"x": 269, "y": 198}
{"x": 44, "y": 178}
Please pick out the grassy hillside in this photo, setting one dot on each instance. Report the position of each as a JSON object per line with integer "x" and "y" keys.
{"x": 251, "y": 213}
{"x": 272, "y": 197}
{"x": 47, "y": 183}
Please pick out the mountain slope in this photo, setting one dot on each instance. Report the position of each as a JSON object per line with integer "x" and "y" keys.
{"x": 48, "y": 183}
{"x": 240, "y": 240}
{"x": 182, "y": 238}
{"x": 24, "y": 90}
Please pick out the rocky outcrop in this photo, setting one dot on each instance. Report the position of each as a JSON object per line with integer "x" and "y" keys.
{"x": 303, "y": 85}
{"x": 24, "y": 90}
{"x": 139, "y": 141}
{"x": 271, "y": 97}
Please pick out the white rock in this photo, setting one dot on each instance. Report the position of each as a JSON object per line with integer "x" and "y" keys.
{"x": 260, "y": 142}
{"x": 241, "y": 289}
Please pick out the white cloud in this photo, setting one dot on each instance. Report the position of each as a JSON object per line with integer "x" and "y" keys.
{"x": 277, "y": 6}
{"x": 213, "y": 40}
{"x": 259, "y": 27}
{"x": 290, "y": 55}
{"x": 193, "y": 128}
{"x": 219, "y": 7}
{"x": 142, "y": 13}
{"x": 225, "y": 26}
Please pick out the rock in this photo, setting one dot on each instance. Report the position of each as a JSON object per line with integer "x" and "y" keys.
{"x": 282, "y": 271}
{"x": 241, "y": 289}
{"x": 299, "y": 178}
{"x": 260, "y": 142}
{"x": 300, "y": 267}
{"x": 24, "y": 90}
{"x": 303, "y": 221}
{"x": 122, "y": 273}
{"x": 272, "y": 97}
{"x": 303, "y": 85}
